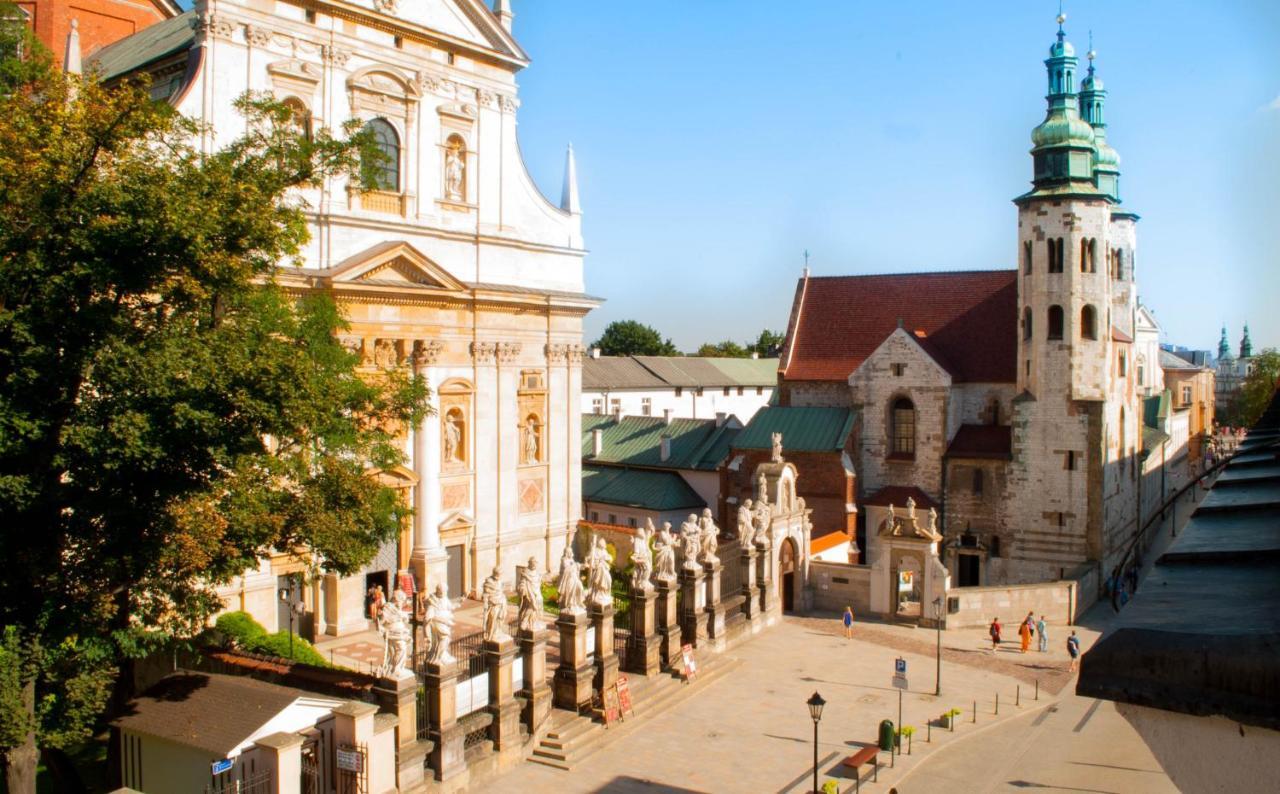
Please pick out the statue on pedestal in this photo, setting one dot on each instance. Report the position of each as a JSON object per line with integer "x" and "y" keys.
{"x": 776, "y": 454}
{"x": 529, "y": 588}
{"x": 642, "y": 557}
{"x": 709, "y": 536}
{"x": 762, "y": 490}
{"x": 599, "y": 576}
{"x": 397, "y": 635}
{"x": 691, "y": 543}
{"x": 763, "y": 523}
{"x": 746, "y": 524}
{"x": 570, "y": 583}
{"x": 665, "y": 562}
{"x": 439, "y": 619}
{"x": 495, "y": 608}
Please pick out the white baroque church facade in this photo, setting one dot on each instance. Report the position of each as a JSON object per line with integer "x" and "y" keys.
{"x": 452, "y": 264}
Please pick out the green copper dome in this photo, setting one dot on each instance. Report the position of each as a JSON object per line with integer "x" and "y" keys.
{"x": 1061, "y": 49}
{"x": 1063, "y": 128}
{"x": 1105, "y": 158}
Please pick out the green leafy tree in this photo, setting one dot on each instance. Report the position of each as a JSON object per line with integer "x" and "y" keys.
{"x": 167, "y": 412}
{"x": 631, "y": 338}
{"x": 725, "y": 349}
{"x": 767, "y": 344}
{"x": 1257, "y": 390}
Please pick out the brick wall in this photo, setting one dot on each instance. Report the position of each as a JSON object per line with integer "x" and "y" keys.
{"x": 821, "y": 480}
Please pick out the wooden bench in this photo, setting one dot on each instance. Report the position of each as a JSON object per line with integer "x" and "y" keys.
{"x": 869, "y": 754}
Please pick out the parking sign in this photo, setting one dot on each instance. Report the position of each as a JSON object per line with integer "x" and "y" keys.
{"x": 899, "y": 666}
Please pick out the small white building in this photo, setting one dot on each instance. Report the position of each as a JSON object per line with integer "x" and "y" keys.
{"x": 693, "y": 387}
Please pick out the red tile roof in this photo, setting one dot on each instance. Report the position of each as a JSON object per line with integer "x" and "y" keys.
{"x": 969, "y": 320}
{"x": 897, "y": 495}
{"x": 982, "y": 441}
{"x": 821, "y": 543}
{"x": 1119, "y": 336}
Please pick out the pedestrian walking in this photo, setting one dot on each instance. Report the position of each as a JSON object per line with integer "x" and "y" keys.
{"x": 1041, "y": 635}
{"x": 1024, "y": 633}
{"x": 994, "y": 631}
{"x": 848, "y": 623}
{"x": 1073, "y": 650}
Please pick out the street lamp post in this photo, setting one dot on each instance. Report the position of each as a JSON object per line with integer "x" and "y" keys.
{"x": 815, "y": 710}
{"x": 937, "y": 620}
{"x": 294, "y": 607}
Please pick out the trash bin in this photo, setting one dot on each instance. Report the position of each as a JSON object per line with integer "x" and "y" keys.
{"x": 886, "y": 734}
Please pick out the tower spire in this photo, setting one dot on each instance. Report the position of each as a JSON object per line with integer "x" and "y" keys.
{"x": 1246, "y": 346}
{"x": 569, "y": 195}
{"x": 1224, "y": 347}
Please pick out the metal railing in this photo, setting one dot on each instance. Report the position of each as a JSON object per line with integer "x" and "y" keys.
{"x": 621, "y": 646}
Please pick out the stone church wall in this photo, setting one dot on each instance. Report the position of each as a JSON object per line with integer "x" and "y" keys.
{"x": 838, "y": 585}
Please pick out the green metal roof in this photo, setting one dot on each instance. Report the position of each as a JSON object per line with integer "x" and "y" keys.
{"x": 640, "y": 488}
{"x": 803, "y": 429}
{"x": 637, "y": 441}
{"x": 146, "y": 46}
{"x": 1155, "y": 409}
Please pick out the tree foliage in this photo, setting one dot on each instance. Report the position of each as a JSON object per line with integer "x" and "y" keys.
{"x": 632, "y": 338}
{"x": 765, "y": 346}
{"x": 1257, "y": 390}
{"x": 167, "y": 412}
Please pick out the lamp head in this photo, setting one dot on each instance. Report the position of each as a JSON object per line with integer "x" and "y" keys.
{"x": 815, "y": 706}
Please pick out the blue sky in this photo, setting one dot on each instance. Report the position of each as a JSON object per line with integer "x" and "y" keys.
{"x": 717, "y": 140}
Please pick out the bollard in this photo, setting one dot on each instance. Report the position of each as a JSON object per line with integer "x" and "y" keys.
{"x": 997, "y": 704}
{"x": 1017, "y": 696}
{"x": 974, "y": 712}
{"x": 1037, "y": 689}
{"x": 928, "y": 731}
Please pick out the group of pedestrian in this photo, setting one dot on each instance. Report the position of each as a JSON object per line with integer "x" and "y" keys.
{"x": 1032, "y": 628}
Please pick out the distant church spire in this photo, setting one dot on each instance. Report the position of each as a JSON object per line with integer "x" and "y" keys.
{"x": 71, "y": 61}
{"x": 502, "y": 10}
{"x": 569, "y": 195}
{"x": 1246, "y": 347}
{"x": 1224, "y": 347}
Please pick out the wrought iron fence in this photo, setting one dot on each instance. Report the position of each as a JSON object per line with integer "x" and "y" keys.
{"x": 467, "y": 649}
{"x": 622, "y": 646}
{"x": 477, "y": 729}
{"x": 424, "y": 712}
{"x": 731, "y": 572}
{"x": 258, "y": 783}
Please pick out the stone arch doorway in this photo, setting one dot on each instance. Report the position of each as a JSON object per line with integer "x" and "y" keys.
{"x": 787, "y": 574}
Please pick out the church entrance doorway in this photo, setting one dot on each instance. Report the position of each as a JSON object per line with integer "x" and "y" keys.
{"x": 908, "y": 588}
{"x": 456, "y": 571}
{"x": 787, "y": 574}
{"x": 967, "y": 573}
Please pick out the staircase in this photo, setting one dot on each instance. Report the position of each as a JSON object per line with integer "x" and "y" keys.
{"x": 570, "y": 738}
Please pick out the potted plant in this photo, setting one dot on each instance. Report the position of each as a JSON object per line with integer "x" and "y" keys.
{"x": 907, "y": 731}
{"x": 831, "y": 787}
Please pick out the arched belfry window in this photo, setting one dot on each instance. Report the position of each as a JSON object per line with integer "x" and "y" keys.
{"x": 1119, "y": 265}
{"x": 1026, "y": 257}
{"x": 385, "y": 173}
{"x": 1088, "y": 323}
{"x": 1093, "y": 255}
{"x": 1055, "y": 322}
{"x": 1027, "y": 316}
{"x": 1054, "y": 247}
{"x": 903, "y": 428}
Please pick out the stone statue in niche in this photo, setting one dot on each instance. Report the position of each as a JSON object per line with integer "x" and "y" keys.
{"x": 495, "y": 608}
{"x": 763, "y": 523}
{"x": 570, "y": 583}
{"x": 709, "y": 537}
{"x": 393, "y": 623}
{"x": 384, "y": 354}
{"x": 665, "y": 561}
{"x": 454, "y": 432}
{"x": 530, "y": 436}
{"x": 529, "y": 587}
{"x": 439, "y": 617}
{"x": 598, "y": 575}
{"x": 454, "y": 171}
{"x": 642, "y": 557}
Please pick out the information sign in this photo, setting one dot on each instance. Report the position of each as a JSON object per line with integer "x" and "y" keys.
{"x": 610, "y": 706}
{"x": 690, "y": 664}
{"x": 223, "y": 766}
{"x": 899, "y": 666}
{"x": 624, "y": 697}
{"x": 350, "y": 759}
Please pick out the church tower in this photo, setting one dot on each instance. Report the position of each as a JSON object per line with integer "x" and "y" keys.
{"x": 1246, "y": 346}
{"x": 1077, "y": 425}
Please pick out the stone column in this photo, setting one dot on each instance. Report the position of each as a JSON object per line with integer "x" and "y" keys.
{"x": 281, "y": 754}
{"x": 693, "y": 607}
{"x": 573, "y": 676}
{"x": 763, "y": 597}
{"x": 400, "y": 697}
{"x": 606, "y": 661}
{"x": 428, "y": 561}
{"x": 667, "y": 623}
{"x": 715, "y": 607}
{"x": 505, "y": 728}
{"x": 643, "y": 654}
{"x": 447, "y": 756}
{"x": 536, "y": 691}
{"x": 751, "y": 605}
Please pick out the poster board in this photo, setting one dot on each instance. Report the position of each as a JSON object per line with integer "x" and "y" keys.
{"x": 689, "y": 664}
{"x": 624, "y": 697}
{"x": 611, "y": 710}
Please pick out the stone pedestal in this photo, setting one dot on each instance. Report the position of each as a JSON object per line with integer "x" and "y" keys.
{"x": 447, "y": 757}
{"x": 764, "y": 597}
{"x": 399, "y": 696}
{"x": 505, "y": 728}
{"x": 536, "y": 691}
{"x": 693, "y": 607}
{"x": 573, "y": 676}
{"x": 751, "y": 606}
{"x": 715, "y": 607}
{"x": 667, "y": 623}
{"x": 643, "y": 655}
{"x": 606, "y": 661}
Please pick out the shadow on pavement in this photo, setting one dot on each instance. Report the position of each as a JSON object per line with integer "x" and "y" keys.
{"x": 623, "y": 784}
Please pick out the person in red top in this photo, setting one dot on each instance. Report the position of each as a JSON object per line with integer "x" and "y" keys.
{"x": 995, "y": 634}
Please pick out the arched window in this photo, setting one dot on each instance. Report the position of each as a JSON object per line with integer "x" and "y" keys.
{"x": 1093, "y": 255}
{"x": 299, "y": 120}
{"x": 1119, "y": 265}
{"x": 1088, "y": 323}
{"x": 1055, "y": 322}
{"x": 1027, "y": 314}
{"x": 903, "y": 430}
{"x": 385, "y": 173}
{"x": 1055, "y": 249}
{"x": 1124, "y": 364}
{"x": 1026, "y": 257}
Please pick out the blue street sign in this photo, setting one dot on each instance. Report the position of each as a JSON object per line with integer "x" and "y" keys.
{"x": 222, "y": 766}
{"x": 900, "y": 666}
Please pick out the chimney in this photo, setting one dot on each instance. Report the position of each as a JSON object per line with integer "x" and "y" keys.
{"x": 721, "y": 417}
{"x": 664, "y": 448}
{"x": 595, "y": 352}
{"x": 666, "y": 416}
{"x": 597, "y": 443}
{"x": 617, "y": 413}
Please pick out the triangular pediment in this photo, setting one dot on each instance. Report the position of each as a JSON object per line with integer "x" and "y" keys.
{"x": 394, "y": 264}
{"x": 467, "y": 21}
